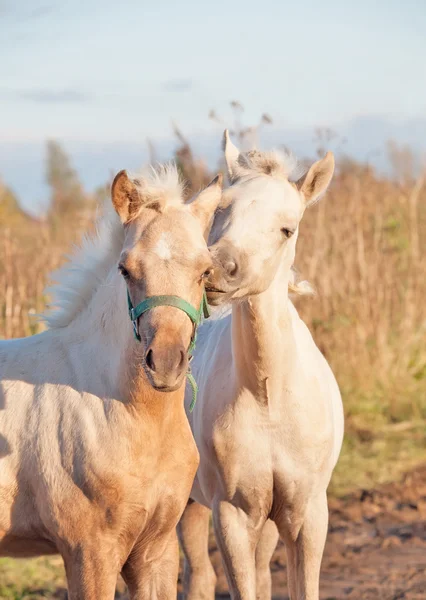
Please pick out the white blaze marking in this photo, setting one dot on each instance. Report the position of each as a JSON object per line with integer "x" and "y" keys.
{"x": 162, "y": 249}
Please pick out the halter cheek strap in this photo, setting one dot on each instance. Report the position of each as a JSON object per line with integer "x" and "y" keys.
{"x": 177, "y": 302}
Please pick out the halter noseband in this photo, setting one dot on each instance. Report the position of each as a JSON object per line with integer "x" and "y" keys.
{"x": 194, "y": 314}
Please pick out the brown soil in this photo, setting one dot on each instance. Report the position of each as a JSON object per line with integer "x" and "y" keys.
{"x": 376, "y": 546}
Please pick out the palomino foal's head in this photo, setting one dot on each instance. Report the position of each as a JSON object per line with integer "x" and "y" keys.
{"x": 164, "y": 254}
{"x": 257, "y": 225}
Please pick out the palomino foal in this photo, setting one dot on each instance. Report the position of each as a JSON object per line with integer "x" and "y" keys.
{"x": 269, "y": 422}
{"x": 97, "y": 457}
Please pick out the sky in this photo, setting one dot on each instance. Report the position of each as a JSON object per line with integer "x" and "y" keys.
{"x": 103, "y": 71}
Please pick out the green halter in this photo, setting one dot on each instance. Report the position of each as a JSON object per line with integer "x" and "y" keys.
{"x": 194, "y": 314}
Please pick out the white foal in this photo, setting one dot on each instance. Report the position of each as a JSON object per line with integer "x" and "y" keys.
{"x": 269, "y": 421}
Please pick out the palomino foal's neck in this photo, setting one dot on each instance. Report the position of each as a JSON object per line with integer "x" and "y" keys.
{"x": 262, "y": 338}
{"x": 111, "y": 365}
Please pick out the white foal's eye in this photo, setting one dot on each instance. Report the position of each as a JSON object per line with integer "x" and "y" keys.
{"x": 287, "y": 232}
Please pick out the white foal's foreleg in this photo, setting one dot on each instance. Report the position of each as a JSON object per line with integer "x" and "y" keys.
{"x": 304, "y": 554}
{"x": 199, "y": 578}
{"x": 237, "y": 538}
{"x": 264, "y": 551}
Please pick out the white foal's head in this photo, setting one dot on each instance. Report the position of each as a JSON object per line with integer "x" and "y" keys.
{"x": 256, "y": 227}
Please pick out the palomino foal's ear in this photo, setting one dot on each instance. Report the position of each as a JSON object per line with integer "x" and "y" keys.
{"x": 316, "y": 181}
{"x": 235, "y": 170}
{"x": 204, "y": 205}
{"x": 126, "y": 196}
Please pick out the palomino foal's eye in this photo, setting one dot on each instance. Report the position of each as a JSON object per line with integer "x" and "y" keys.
{"x": 124, "y": 272}
{"x": 206, "y": 273}
{"x": 287, "y": 232}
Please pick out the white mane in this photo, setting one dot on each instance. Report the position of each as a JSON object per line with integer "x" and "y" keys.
{"x": 281, "y": 163}
{"x": 297, "y": 287}
{"x": 88, "y": 268}
{"x": 163, "y": 182}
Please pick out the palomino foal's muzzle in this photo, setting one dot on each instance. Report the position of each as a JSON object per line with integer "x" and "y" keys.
{"x": 177, "y": 302}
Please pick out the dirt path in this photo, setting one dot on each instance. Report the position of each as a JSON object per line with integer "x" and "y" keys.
{"x": 376, "y": 547}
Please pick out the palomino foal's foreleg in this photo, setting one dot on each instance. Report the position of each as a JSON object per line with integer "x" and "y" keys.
{"x": 199, "y": 578}
{"x": 91, "y": 573}
{"x": 237, "y": 536}
{"x": 264, "y": 551}
{"x": 304, "y": 554}
{"x": 151, "y": 573}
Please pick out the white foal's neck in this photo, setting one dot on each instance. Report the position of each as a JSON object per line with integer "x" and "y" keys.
{"x": 262, "y": 334}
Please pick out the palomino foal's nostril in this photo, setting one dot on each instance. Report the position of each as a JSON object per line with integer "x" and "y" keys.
{"x": 231, "y": 268}
{"x": 149, "y": 359}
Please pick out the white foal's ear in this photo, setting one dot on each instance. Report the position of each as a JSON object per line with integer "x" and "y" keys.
{"x": 204, "y": 205}
{"x": 235, "y": 170}
{"x": 316, "y": 181}
{"x": 126, "y": 196}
